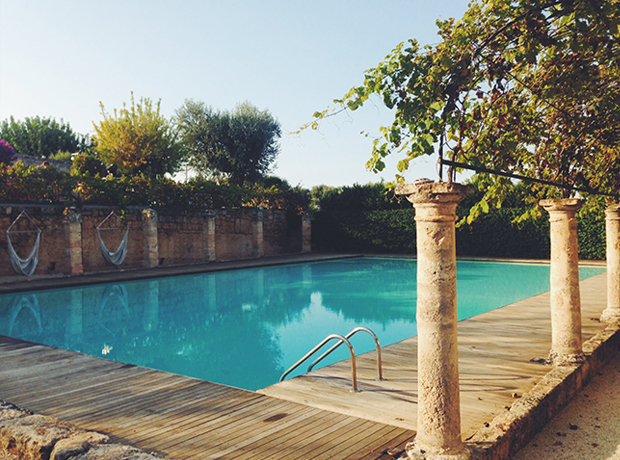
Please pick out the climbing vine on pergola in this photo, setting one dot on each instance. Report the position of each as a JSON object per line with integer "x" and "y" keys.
{"x": 525, "y": 87}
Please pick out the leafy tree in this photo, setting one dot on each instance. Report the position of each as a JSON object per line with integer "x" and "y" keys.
{"x": 138, "y": 140}
{"x": 238, "y": 146}
{"x": 524, "y": 87}
{"x": 42, "y": 137}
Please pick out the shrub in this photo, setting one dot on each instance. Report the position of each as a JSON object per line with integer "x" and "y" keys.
{"x": 88, "y": 164}
{"x": 7, "y": 153}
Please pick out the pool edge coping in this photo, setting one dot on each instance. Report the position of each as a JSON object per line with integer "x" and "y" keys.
{"x": 41, "y": 282}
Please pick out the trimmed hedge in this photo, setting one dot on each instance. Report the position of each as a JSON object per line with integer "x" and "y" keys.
{"x": 387, "y": 231}
{"x": 493, "y": 235}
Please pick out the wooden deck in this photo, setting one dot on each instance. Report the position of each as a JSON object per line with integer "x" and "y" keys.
{"x": 495, "y": 349}
{"x": 180, "y": 417}
{"x": 309, "y": 417}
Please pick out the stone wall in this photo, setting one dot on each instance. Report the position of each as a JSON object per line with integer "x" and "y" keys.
{"x": 237, "y": 233}
{"x": 70, "y": 245}
{"x": 279, "y": 227}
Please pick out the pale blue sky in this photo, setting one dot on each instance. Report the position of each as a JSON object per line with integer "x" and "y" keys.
{"x": 61, "y": 58}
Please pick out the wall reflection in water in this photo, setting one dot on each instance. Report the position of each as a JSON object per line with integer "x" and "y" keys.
{"x": 245, "y": 327}
{"x": 241, "y": 328}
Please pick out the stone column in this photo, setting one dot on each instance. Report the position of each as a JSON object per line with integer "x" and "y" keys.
{"x": 151, "y": 245}
{"x": 565, "y": 300}
{"x": 439, "y": 415}
{"x": 612, "y": 235}
{"x": 73, "y": 233}
{"x": 208, "y": 232}
{"x": 306, "y": 232}
{"x": 259, "y": 244}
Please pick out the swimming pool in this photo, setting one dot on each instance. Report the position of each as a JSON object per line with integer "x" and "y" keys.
{"x": 245, "y": 327}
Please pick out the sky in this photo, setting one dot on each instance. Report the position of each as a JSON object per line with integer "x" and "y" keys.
{"x": 62, "y": 58}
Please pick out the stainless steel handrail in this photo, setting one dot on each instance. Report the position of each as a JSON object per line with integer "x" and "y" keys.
{"x": 349, "y": 335}
{"x": 315, "y": 349}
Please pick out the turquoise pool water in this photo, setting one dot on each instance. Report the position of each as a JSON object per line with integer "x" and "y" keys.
{"x": 246, "y": 327}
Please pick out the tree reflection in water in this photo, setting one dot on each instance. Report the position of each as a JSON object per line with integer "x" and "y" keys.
{"x": 245, "y": 327}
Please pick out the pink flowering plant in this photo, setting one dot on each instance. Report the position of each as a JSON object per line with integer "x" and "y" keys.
{"x": 7, "y": 153}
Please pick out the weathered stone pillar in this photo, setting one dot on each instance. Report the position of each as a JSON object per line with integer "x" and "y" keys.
{"x": 612, "y": 236}
{"x": 259, "y": 243}
{"x": 151, "y": 245}
{"x": 73, "y": 233}
{"x": 208, "y": 232}
{"x": 565, "y": 300}
{"x": 439, "y": 415}
{"x": 306, "y": 232}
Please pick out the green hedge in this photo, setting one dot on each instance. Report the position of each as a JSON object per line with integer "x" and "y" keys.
{"x": 492, "y": 235}
{"x": 591, "y": 234}
{"x": 388, "y": 231}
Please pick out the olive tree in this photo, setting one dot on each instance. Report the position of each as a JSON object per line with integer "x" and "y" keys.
{"x": 239, "y": 146}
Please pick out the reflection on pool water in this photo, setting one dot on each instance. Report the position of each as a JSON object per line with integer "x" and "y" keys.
{"x": 246, "y": 327}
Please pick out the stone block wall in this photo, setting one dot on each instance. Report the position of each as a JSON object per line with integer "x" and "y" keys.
{"x": 236, "y": 234}
{"x": 70, "y": 245}
{"x": 282, "y": 229}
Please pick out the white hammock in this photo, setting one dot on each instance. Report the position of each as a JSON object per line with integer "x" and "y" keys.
{"x": 117, "y": 257}
{"x": 24, "y": 266}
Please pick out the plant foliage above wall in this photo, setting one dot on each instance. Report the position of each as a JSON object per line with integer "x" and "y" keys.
{"x": 89, "y": 185}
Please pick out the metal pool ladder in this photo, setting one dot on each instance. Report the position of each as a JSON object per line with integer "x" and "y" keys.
{"x": 341, "y": 340}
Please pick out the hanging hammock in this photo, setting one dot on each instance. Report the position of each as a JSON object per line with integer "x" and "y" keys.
{"x": 117, "y": 257}
{"x": 24, "y": 266}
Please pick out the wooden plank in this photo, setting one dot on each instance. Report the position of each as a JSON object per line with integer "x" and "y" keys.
{"x": 218, "y": 424}
{"x": 210, "y": 447}
{"x": 255, "y": 437}
{"x": 116, "y": 399}
{"x": 397, "y": 443}
{"x": 180, "y": 408}
{"x": 270, "y": 446}
{"x": 331, "y": 438}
